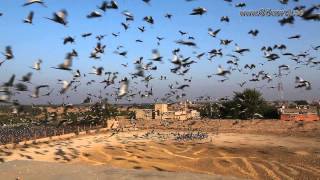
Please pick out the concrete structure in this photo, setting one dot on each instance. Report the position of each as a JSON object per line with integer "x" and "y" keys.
{"x": 300, "y": 113}
{"x": 164, "y": 111}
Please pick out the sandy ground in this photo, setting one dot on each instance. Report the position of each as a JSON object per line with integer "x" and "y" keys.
{"x": 241, "y": 155}
{"x": 57, "y": 171}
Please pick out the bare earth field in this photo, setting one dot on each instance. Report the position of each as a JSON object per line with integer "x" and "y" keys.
{"x": 249, "y": 150}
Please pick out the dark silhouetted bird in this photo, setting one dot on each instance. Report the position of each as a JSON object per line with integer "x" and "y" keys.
{"x": 254, "y": 32}
{"x": 169, "y": 16}
{"x": 213, "y": 33}
{"x": 86, "y": 35}
{"x": 94, "y": 14}
{"x": 241, "y": 5}
{"x": 60, "y": 17}
{"x": 29, "y": 18}
{"x": 295, "y": 37}
{"x": 34, "y": 2}
{"x": 68, "y": 39}
{"x": 225, "y": 18}
{"x": 198, "y": 11}
{"x": 286, "y": 20}
{"x": 149, "y": 19}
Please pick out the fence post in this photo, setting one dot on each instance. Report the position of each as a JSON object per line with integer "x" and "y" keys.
{"x": 12, "y": 139}
{"x": 34, "y": 137}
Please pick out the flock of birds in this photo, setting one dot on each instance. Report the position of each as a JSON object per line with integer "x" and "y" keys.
{"x": 144, "y": 67}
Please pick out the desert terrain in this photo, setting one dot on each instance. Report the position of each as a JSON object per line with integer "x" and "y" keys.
{"x": 257, "y": 149}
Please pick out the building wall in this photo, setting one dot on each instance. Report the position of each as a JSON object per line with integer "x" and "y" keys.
{"x": 299, "y": 117}
{"x": 168, "y": 115}
{"x": 143, "y": 113}
{"x": 162, "y": 108}
{"x": 161, "y": 112}
{"x": 195, "y": 114}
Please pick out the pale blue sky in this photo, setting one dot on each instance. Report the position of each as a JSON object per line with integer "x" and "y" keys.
{"x": 44, "y": 40}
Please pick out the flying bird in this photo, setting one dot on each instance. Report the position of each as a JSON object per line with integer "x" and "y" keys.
{"x": 187, "y": 43}
{"x": 309, "y": 14}
{"x": 8, "y": 54}
{"x": 94, "y": 14}
{"x": 213, "y": 33}
{"x": 21, "y": 87}
{"x": 149, "y": 19}
{"x": 86, "y": 35}
{"x": 65, "y": 86}
{"x": 142, "y": 29}
{"x": 224, "y": 19}
{"x": 254, "y": 32}
{"x": 29, "y": 19}
{"x": 125, "y": 26}
{"x": 97, "y": 71}
{"x": 124, "y": 85}
{"x": 169, "y": 16}
{"x": 198, "y": 11}
{"x": 156, "y": 55}
{"x": 222, "y": 72}
{"x": 36, "y": 65}
{"x": 60, "y": 17}
{"x": 182, "y": 33}
{"x": 251, "y": 66}
{"x": 68, "y": 39}
{"x": 183, "y": 86}
{"x": 241, "y": 5}
{"x": 302, "y": 83}
{"x": 241, "y": 50}
{"x": 295, "y": 37}
{"x": 9, "y": 83}
{"x": 36, "y": 91}
{"x": 27, "y": 77}
{"x": 29, "y": 2}
{"x": 66, "y": 65}
{"x": 104, "y": 6}
{"x": 286, "y": 20}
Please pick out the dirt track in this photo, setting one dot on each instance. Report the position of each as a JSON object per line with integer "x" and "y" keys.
{"x": 243, "y": 155}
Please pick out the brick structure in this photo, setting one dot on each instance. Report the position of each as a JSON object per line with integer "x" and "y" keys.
{"x": 300, "y": 113}
{"x": 300, "y": 117}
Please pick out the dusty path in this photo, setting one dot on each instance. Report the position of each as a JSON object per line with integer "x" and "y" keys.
{"x": 239, "y": 155}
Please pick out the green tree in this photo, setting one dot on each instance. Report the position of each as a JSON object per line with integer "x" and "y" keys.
{"x": 301, "y": 102}
{"x": 248, "y": 104}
